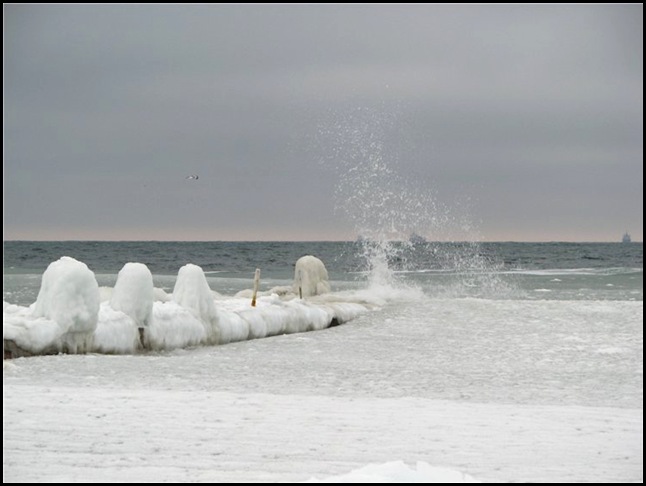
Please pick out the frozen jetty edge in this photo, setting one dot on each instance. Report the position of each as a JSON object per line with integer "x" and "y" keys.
{"x": 73, "y": 315}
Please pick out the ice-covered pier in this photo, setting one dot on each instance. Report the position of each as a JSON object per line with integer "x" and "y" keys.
{"x": 72, "y": 314}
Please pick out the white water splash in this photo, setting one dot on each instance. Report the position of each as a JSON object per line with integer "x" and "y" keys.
{"x": 364, "y": 146}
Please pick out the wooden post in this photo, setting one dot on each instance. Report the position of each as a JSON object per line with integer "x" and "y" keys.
{"x": 300, "y": 284}
{"x": 256, "y": 283}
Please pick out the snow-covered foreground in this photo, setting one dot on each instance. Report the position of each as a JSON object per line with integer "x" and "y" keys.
{"x": 69, "y": 433}
{"x": 498, "y": 390}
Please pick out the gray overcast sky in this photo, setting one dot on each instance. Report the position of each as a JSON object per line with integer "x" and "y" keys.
{"x": 519, "y": 122}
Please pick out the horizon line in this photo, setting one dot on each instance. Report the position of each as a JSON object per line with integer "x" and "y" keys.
{"x": 306, "y": 241}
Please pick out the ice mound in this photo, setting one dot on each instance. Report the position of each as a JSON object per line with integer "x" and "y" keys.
{"x": 116, "y": 332}
{"x": 193, "y": 293}
{"x": 65, "y": 314}
{"x": 310, "y": 277}
{"x": 35, "y": 335}
{"x": 130, "y": 309}
{"x": 174, "y": 327}
{"x": 133, "y": 293}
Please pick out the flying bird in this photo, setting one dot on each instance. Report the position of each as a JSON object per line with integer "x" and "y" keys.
{"x": 193, "y": 177}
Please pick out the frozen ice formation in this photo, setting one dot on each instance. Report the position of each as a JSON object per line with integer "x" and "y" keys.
{"x": 310, "y": 277}
{"x": 71, "y": 315}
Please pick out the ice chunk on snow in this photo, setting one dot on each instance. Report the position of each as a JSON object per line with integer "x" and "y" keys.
{"x": 310, "y": 276}
{"x": 35, "y": 334}
{"x": 232, "y": 327}
{"x": 130, "y": 307}
{"x": 174, "y": 326}
{"x": 69, "y": 295}
{"x": 399, "y": 472}
{"x": 65, "y": 314}
{"x": 133, "y": 293}
{"x": 193, "y": 293}
{"x": 116, "y": 332}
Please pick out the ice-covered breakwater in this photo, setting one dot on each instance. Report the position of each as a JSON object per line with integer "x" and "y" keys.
{"x": 73, "y": 315}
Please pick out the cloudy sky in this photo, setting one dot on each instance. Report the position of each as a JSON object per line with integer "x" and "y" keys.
{"x": 317, "y": 122}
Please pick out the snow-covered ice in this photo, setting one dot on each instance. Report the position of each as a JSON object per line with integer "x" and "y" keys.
{"x": 399, "y": 472}
{"x": 92, "y": 428}
{"x": 490, "y": 389}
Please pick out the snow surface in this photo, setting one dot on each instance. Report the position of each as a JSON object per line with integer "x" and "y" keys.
{"x": 98, "y": 428}
{"x": 511, "y": 391}
{"x": 399, "y": 472}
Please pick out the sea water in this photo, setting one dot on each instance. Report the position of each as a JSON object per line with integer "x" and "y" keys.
{"x": 528, "y": 271}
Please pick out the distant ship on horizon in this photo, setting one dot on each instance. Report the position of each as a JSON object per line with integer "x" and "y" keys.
{"x": 626, "y": 238}
{"x": 416, "y": 239}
